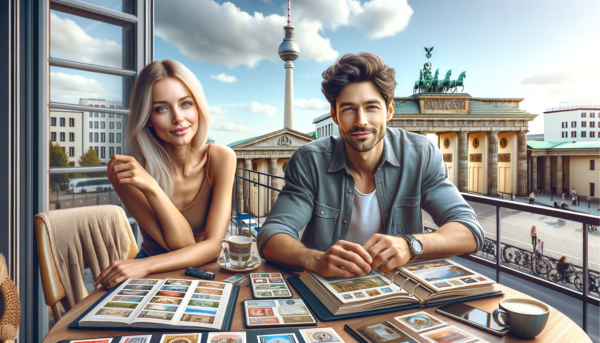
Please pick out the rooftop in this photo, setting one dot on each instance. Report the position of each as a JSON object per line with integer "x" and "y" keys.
{"x": 563, "y": 145}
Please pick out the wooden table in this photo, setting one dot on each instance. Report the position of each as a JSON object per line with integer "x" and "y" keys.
{"x": 559, "y": 328}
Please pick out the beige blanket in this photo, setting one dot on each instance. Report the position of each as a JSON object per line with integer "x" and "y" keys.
{"x": 85, "y": 237}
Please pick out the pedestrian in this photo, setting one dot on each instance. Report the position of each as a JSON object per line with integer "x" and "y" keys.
{"x": 533, "y": 236}
{"x": 539, "y": 250}
{"x": 574, "y": 196}
{"x": 531, "y": 197}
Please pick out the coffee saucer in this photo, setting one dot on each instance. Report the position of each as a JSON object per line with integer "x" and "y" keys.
{"x": 252, "y": 264}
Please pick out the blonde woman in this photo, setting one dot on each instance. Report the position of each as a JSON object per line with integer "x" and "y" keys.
{"x": 175, "y": 186}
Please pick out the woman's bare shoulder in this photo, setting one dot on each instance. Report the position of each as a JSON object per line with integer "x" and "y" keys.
{"x": 222, "y": 159}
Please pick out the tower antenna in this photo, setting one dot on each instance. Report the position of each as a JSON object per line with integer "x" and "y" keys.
{"x": 289, "y": 12}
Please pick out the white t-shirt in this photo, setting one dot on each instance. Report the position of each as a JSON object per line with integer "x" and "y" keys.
{"x": 538, "y": 248}
{"x": 366, "y": 218}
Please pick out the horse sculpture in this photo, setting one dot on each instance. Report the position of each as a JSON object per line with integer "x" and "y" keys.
{"x": 429, "y": 84}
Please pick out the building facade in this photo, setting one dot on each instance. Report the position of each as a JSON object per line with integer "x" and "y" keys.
{"x": 103, "y": 132}
{"x": 572, "y": 124}
{"x": 267, "y": 154}
{"x": 559, "y": 167}
{"x": 324, "y": 126}
{"x": 66, "y": 130}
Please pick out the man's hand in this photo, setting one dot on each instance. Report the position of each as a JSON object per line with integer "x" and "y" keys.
{"x": 343, "y": 259}
{"x": 383, "y": 248}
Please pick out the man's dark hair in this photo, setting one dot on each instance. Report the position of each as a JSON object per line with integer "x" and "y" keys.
{"x": 359, "y": 68}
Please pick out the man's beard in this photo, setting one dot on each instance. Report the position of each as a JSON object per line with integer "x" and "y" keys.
{"x": 366, "y": 144}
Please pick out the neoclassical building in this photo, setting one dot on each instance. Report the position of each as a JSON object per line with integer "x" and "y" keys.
{"x": 266, "y": 154}
{"x": 483, "y": 140}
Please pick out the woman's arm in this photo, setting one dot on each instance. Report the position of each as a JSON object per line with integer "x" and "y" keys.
{"x": 148, "y": 203}
{"x": 222, "y": 172}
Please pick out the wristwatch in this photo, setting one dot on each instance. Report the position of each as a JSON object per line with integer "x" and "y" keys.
{"x": 414, "y": 243}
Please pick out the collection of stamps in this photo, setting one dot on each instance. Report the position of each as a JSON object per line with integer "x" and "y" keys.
{"x": 269, "y": 285}
{"x": 277, "y": 312}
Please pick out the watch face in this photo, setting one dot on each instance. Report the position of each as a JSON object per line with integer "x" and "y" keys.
{"x": 416, "y": 246}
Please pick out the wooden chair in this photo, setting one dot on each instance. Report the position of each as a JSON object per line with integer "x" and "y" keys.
{"x": 53, "y": 288}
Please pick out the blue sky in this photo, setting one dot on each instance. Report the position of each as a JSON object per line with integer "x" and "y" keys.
{"x": 543, "y": 51}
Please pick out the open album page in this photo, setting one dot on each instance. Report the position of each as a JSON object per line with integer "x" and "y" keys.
{"x": 445, "y": 275}
{"x": 186, "y": 303}
{"x": 356, "y": 289}
{"x": 124, "y": 303}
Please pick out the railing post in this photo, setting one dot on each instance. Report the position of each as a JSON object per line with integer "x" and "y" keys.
{"x": 586, "y": 277}
{"x": 498, "y": 244}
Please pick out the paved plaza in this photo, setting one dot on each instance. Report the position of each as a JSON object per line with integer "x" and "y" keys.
{"x": 560, "y": 237}
{"x": 548, "y": 200}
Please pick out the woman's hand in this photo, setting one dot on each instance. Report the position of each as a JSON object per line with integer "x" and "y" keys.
{"x": 121, "y": 270}
{"x": 124, "y": 169}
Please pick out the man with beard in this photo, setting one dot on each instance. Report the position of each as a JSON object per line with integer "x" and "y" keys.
{"x": 360, "y": 196}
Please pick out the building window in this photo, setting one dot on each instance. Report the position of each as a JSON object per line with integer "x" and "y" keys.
{"x": 111, "y": 125}
{"x": 583, "y": 135}
{"x": 95, "y": 125}
{"x": 573, "y": 134}
{"x": 111, "y": 115}
{"x": 592, "y": 189}
{"x": 565, "y": 134}
{"x": 91, "y": 137}
{"x": 102, "y": 152}
{"x": 71, "y": 151}
{"x": 71, "y": 122}
{"x": 62, "y": 121}
{"x": 96, "y": 114}
{"x": 111, "y": 137}
{"x": 91, "y": 125}
{"x": 52, "y": 121}
{"x": 118, "y": 115}
{"x": 111, "y": 152}
{"x": 592, "y": 124}
{"x": 71, "y": 137}
{"x": 91, "y": 114}
{"x": 573, "y": 124}
{"x": 96, "y": 149}
{"x": 592, "y": 134}
{"x": 96, "y": 138}
{"x": 53, "y": 136}
{"x": 582, "y": 114}
{"x": 63, "y": 148}
{"x": 102, "y": 137}
{"x": 118, "y": 138}
{"x": 103, "y": 115}
{"x": 118, "y": 125}
{"x": 62, "y": 136}
{"x": 118, "y": 150}
{"x": 592, "y": 115}
{"x": 592, "y": 164}
{"x": 102, "y": 125}
{"x": 583, "y": 123}
{"x": 71, "y": 164}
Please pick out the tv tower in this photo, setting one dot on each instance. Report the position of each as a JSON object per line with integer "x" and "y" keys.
{"x": 289, "y": 52}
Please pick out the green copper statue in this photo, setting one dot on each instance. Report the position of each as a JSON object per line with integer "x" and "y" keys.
{"x": 431, "y": 84}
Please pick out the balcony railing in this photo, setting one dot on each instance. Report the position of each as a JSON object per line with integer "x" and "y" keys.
{"x": 503, "y": 254}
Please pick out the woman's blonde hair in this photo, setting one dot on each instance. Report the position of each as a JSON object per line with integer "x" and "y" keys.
{"x": 141, "y": 141}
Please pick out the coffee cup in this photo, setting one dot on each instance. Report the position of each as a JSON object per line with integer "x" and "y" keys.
{"x": 523, "y": 317}
{"x": 240, "y": 248}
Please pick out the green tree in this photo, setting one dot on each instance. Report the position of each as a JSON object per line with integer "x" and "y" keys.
{"x": 90, "y": 159}
{"x": 58, "y": 158}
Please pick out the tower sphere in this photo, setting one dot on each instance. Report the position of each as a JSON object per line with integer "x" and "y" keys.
{"x": 288, "y": 49}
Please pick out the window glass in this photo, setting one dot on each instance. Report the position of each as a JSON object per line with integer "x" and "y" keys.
{"x": 53, "y": 121}
{"x": 96, "y": 42}
{"x": 72, "y": 86}
{"x": 62, "y": 136}
{"x": 112, "y": 125}
{"x": 102, "y": 125}
{"x": 102, "y": 137}
{"x": 71, "y": 137}
{"x": 53, "y": 136}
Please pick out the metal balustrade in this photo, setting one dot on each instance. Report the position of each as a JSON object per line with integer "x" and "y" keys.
{"x": 510, "y": 259}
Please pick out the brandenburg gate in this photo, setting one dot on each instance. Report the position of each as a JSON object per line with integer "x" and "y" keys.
{"x": 483, "y": 140}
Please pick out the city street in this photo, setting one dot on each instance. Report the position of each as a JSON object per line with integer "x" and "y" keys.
{"x": 66, "y": 200}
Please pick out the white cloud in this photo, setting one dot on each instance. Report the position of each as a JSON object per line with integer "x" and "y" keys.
{"x": 312, "y": 104}
{"x": 225, "y": 35}
{"x": 224, "y": 78}
{"x": 65, "y": 87}
{"x": 231, "y": 127}
{"x": 381, "y": 18}
{"x": 69, "y": 39}
{"x": 256, "y": 108}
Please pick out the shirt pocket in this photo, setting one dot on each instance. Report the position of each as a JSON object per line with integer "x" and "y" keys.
{"x": 407, "y": 215}
{"x": 322, "y": 225}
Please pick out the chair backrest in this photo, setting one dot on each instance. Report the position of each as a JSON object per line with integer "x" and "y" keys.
{"x": 53, "y": 288}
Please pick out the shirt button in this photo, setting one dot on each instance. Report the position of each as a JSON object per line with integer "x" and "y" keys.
{"x": 345, "y": 221}
{"x": 349, "y": 191}
{"x": 321, "y": 212}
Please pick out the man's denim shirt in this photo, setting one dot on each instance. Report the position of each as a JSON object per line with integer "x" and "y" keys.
{"x": 319, "y": 192}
